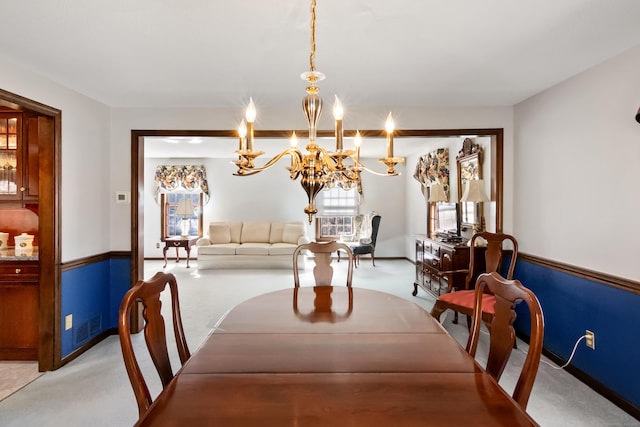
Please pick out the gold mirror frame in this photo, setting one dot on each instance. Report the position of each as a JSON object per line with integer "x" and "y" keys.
{"x": 469, "y": 165}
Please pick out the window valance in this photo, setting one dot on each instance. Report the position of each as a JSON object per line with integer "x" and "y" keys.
{"x": 433, "y": 167}
{"x": 181, "y": 179}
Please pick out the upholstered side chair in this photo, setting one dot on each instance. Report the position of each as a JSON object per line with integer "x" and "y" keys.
{"x": 506, "y": 294}
{"x": 461, "y": 301}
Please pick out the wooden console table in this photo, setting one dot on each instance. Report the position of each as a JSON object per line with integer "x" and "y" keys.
{"x": 440, "y": 266}
{"x": 178, "y": 242}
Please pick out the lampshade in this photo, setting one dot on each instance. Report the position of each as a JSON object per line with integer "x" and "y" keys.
{"x": 185, "y": 208}
{"x": 474, "y": 192}
{"x": 437, "y": 193}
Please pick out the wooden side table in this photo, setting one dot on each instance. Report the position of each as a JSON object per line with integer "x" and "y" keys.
{"x": 178, "y": 242}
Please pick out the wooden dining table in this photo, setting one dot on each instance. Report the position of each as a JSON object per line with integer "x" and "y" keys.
{"x": 332, "y": 356}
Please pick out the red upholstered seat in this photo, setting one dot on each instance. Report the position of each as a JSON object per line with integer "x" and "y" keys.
{"x": 462, "y": 301}
{"x": 466, "y": 299}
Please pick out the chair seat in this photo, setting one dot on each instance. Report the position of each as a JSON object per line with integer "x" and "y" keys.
{"x": 466, "y": 298}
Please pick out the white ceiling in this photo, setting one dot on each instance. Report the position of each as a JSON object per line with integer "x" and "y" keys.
{"x": 190, "y": 53}
{"x": 379, "y": 53}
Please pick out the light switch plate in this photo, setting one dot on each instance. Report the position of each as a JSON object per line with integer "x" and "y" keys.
{"x": 68, "y": 322}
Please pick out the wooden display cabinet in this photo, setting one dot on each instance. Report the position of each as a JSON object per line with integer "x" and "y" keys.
{"x": 19, "y": 310}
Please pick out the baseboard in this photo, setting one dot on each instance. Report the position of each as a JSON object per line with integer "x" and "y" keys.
{"x": 592, "y": 383}
{"x": 93, "y": 341}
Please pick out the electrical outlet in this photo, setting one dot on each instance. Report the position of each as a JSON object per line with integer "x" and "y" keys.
{"x": 157, "y": 245}
{"x": 68, "y": 322}
{"x": 591, "y": 339}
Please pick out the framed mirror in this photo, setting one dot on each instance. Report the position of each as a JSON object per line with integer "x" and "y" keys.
{"x": 469, "y": 162}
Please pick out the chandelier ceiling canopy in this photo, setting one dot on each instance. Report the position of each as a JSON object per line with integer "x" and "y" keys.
{"x": 317, "y": 167}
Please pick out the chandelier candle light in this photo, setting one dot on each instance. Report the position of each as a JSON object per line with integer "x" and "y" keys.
{"x": 317, "y": 166}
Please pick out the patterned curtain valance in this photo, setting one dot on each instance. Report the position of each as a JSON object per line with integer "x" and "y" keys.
{"x": 434, "y": 167}
{"x": 182, "y": 178}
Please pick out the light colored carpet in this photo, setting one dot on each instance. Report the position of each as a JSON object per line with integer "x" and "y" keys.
{"x": 94, "y": 389}
{"x": 15, "y": 375}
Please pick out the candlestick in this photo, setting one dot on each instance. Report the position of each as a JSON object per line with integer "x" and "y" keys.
{"x": 338, "y": 114}
{"x": 242, "y": 133}
{"x": 251, "y": 117}
{"x": 389, "y": 127}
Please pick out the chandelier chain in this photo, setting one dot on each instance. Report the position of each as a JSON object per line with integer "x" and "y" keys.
{"x": 312, "y": 55}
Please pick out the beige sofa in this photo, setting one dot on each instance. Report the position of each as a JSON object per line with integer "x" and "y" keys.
{"x": 251, "y": 244}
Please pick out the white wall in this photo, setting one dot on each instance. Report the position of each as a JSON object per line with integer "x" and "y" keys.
{"x": 396, "y": 236}
{"x": 577, "y": 148}
{"x": 272, "y": 195}
{"x": 96, "y": 160}
{"x": 85, "y": 198}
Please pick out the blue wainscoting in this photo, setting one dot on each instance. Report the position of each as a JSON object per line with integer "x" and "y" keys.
{"x": 91, "y": 293}
{"x": 572, "y": 304}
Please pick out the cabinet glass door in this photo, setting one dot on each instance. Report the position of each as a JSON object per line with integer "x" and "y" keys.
{"x": 8, "y": 156}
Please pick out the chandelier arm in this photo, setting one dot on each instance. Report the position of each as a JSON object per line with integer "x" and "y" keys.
{"x": 273, "y": 161}
{"x": 360, "y": 166}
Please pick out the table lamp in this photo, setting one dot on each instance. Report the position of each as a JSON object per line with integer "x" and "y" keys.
{"x": 436, "y": 194}
{"x": 185, "y": 210}
{"x": 474, "y": 192}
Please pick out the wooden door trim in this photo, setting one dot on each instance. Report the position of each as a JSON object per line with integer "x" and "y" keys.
{"x": 49, "y": 158}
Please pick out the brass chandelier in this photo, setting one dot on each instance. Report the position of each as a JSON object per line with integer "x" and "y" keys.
{"x": 318, "y": 167}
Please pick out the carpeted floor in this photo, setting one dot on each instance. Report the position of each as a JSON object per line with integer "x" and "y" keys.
{"x": 15, "y": 375}
{"x": 94, "y": 389}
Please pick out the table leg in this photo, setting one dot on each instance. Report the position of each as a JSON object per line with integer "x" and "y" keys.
{"x": 188, "y": 248}
{"x": 164, "y": 253}
{"x": 177, "y": 254}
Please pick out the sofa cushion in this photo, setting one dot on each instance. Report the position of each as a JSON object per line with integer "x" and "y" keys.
{"x": 253, "y": 249}
{"x": 276, "y": 232}
{"x": 234, "y": 229}
{"x": 255, "y": 232}
{"x": 220, "y": 249}
{"x": 282, "y": 249}
{"x": 219, "y": 233}
{"x": 292, "y": 232}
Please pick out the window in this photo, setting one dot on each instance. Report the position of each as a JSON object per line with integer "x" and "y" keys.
{"x": 171, "y": 223}
{"x": 336, "y": 210}
{"x": 338, "y": 202}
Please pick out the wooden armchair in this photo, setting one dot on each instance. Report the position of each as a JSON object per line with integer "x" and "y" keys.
{"x": 367, "y": 248}
{"x": 461, "y": 301}
{"x": 148, "y": 293}
{"x": 323, "y": 272}
{"x": 506, "y": 293}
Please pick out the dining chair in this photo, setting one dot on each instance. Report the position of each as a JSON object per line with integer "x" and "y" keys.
{"x": 461, "y": 301}
{"x": 148, "y": 294}
{"x": 323, "y": 271}
{"x": 502, "y": 337}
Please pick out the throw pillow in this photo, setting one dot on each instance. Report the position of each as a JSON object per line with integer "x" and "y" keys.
{"x": 255, "y": 232}
{"x": 292, "y": 232}
{"x": 276, "y": 232}
{"x": 219, "y": 233}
